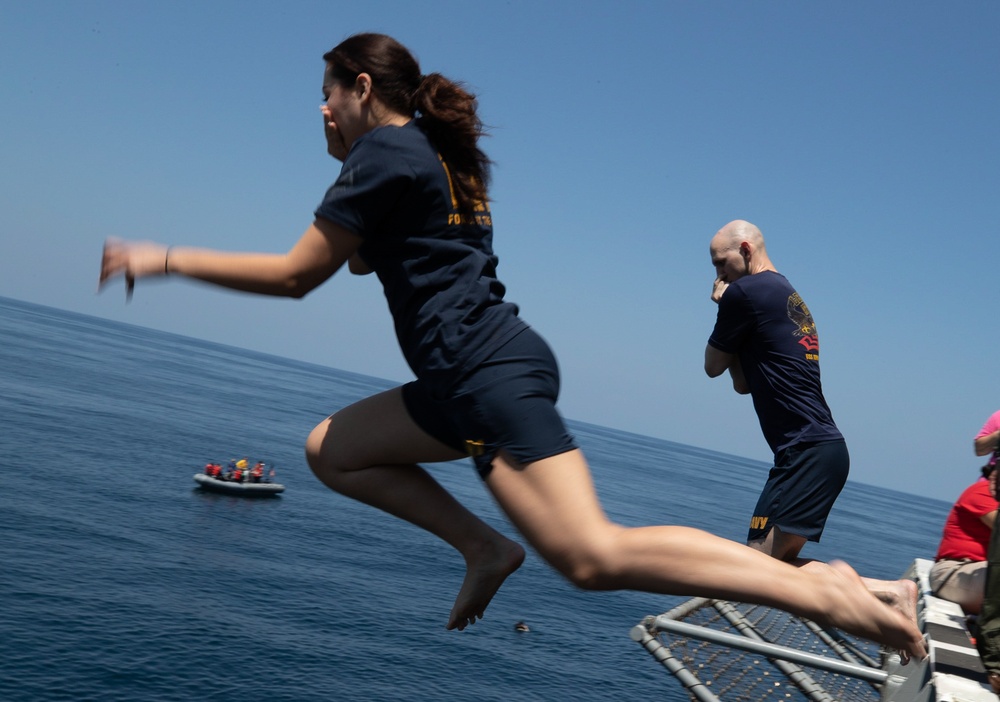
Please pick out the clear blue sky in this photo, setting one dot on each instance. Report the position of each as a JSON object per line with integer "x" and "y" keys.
{"x": 861, "y": 137}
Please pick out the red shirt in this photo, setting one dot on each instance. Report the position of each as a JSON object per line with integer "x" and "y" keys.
{"x": 965, "y": 535}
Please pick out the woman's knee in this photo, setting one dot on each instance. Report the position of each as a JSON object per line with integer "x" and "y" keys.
{"x": 325, "y": 455}
{"x": 377, "y": 431}
{"x": 591, "y": 564}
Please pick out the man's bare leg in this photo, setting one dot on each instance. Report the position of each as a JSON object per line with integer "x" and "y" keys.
{"x": 369, "y": 452}
{"x": 781, "y": 545}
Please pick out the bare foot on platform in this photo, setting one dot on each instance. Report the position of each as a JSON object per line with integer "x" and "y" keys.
{"x": 901, "y": 595}
{"x": 483, "y": 577}
{"x": 898, "y": 594}
{"x": 856, "y": 611}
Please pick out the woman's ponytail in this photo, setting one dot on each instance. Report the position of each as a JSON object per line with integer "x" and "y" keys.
{"x": 446, "y": 111}
{"x": 448, "y": 116}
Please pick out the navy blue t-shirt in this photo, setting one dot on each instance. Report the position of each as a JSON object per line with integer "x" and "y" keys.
{"x": 437, "y": 267}
{"x": 767, "y": 325}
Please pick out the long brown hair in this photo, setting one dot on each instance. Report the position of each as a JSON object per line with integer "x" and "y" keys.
{"x": 446, "y": 110}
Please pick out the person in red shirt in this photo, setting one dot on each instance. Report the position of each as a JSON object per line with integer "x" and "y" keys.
{"x": 959, "y": 571}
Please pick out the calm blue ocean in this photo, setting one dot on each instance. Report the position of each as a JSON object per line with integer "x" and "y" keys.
{"x": 120, "y": 581}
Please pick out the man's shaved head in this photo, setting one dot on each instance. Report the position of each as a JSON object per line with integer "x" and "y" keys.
{"x": 738, "y": 231}
{"x": 738, "y": 250}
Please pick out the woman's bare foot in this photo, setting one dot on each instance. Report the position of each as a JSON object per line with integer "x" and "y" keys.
{"x": 855, "y": 610}
{"x": 901, "y": 595}
{"x": 483, "y": 577}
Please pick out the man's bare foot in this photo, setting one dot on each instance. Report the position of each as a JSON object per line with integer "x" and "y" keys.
{"x": 483, "y": 577}
{"x": 856, "y": 611}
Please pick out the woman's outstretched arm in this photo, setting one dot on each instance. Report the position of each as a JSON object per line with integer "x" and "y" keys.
{"x": 318, "y": 254}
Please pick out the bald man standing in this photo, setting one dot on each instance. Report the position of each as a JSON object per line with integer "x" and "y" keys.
{"x": 766, "y": 338}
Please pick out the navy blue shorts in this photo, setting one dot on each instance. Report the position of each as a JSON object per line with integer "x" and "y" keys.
{"x": 508, "y": 402}
{"x": 801, "y": 489}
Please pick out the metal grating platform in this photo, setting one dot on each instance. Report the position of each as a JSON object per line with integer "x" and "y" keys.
{"x": 726, "y": 651}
